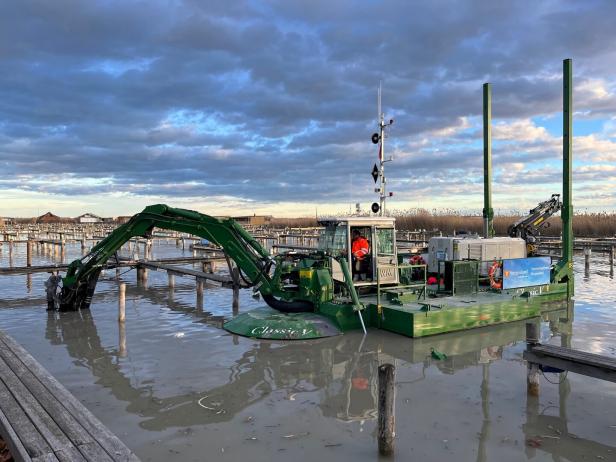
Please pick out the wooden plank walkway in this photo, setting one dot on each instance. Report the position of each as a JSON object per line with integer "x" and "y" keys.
{"x": 110, "y": 265}
{"x": 41, "y": 421}
{"x": 568, "y": 359}
{"x": 226, "y": 281}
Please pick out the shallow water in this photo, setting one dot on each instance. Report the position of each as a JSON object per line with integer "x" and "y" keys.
{"x": 174, "y": 386}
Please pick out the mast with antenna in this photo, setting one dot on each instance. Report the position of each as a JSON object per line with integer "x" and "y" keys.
{"x": 378, "y": 172}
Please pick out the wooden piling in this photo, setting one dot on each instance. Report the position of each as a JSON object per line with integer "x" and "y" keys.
{"x": 29, "y": 253}
{"x": 142, "y": 275}
{"x": 200, "y": 287}
{"x": 122, "y": 339}
{"x": 612, "y": 250}
{"x": 122, "y": 303}
{"x": 587, "y": 253}
{"x": 387, "y": 421}
{"x": 235, "y": 274}
{"x": 533, "y": 370}
{"x": 171, "y": 278}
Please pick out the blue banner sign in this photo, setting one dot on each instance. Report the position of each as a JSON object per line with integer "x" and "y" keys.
{"x": 524, "y": 272}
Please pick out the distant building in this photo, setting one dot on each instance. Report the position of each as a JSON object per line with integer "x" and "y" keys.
{"x": 88, "y": 218}
{"x": 122, "y": 219}
{"x": 254, "y": 220}
{"x": 50, "y": 218}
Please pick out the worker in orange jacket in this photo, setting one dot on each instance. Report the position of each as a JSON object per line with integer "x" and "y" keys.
{"x": 359, "y": 249}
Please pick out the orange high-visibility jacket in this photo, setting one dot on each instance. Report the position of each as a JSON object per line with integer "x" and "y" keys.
{"x": 360, "y": 247}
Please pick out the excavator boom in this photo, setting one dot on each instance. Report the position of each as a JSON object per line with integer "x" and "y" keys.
{"x": 252, "y": 259}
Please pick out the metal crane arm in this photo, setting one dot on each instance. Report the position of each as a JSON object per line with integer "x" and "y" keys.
{"x": 529, "y": 225}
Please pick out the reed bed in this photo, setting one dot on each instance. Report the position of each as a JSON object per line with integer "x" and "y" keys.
{"x": 601, "y": 224}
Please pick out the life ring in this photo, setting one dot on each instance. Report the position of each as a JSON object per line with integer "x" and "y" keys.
{"x": 493, "y": 282}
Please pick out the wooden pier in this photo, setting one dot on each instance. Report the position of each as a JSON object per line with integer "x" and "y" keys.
{"x": 554, "y": 246}
{"x": 568, "y": 359}
{"x": 560, "y": 359}
{"x": 224, "y": 280}
{"x": 123, "y": 262}
{"x": 42, "y": 421}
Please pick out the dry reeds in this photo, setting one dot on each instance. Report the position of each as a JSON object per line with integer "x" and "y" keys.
{"x": 585, "y": 224}
{"x": 601, "y": 224}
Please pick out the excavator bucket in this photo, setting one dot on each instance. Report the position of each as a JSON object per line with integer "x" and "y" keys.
{"x": 267, "y": 323}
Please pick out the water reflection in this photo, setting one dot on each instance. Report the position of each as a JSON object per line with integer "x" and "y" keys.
{"x": 342, "y": 371}
{"x": 336, "y": 376}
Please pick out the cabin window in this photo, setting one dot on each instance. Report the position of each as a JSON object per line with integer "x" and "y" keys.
{"x": 385, "y": 241}
{"x": 334, "y": 239}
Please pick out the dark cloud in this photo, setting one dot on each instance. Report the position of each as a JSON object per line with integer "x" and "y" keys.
{"x": 276, "y": 100}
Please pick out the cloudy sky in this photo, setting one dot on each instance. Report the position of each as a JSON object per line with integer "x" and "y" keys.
{"x": 268, "y": 107}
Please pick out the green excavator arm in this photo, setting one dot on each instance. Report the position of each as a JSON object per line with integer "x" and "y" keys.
{"x": 252, "y": 259}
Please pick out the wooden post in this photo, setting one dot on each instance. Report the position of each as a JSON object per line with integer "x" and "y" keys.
{"x": 200, "y": 286}
{"x": 532, "y": 376}
{"x": 235, "y": 274}
{"x": 171, "y": 278}
{"x": 122, "y": 339}
{"x": 122, "y": 303}
{"x": 29, "y": 253}
{"x": 142, "y": 275}
{"x": 387, "y": 420}
{"x": 612, "y": 250}
{"x": 587, "y": 252}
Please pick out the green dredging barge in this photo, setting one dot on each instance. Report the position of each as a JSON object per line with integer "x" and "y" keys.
{"x": 401, "y": 302}
{"x": 465, "y": 284}
{"x": 399, "y": 299}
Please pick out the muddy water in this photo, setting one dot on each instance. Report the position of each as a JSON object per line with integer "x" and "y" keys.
{"x": 174, "y": 386}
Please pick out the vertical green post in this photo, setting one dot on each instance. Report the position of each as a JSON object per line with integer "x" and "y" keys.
{"x": 488, "y": 212}
{"x": 567, "y": 211}
{"x": 564, "y": 269}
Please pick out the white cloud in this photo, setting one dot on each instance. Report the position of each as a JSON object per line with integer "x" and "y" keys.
{"x": 520, "y": 131}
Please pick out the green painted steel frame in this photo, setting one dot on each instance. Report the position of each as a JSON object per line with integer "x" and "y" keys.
{"x": 488, "y": 211}
{"x": 563, "y": 272}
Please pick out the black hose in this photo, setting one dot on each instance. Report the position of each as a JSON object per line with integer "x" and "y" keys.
{"x": 298, "y": 306}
